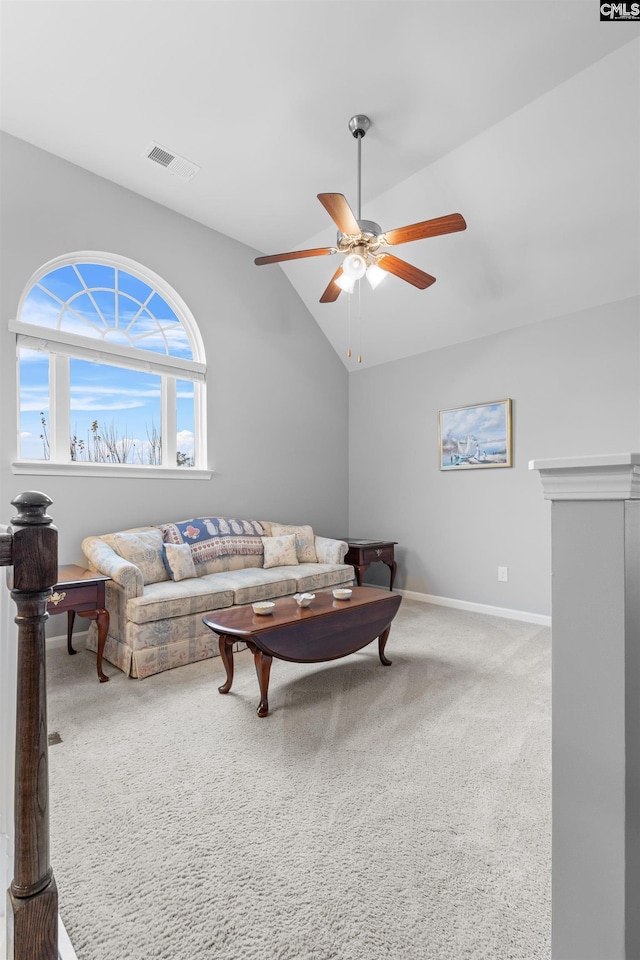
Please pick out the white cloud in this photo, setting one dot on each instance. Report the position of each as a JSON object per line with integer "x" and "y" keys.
{"x": 186, "y": 442}
{"x": 93, "y": 404}
{"x": 44, "y": 313}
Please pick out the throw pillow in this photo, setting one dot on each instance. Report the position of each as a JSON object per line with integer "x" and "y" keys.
{"x": 179, "y": 561}
{"x": 145, "y": 550}
{"x": 279, "y": 551}
{"x": 305, "y": 540}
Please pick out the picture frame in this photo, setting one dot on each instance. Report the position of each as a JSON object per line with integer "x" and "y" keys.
{"x": 476, "y": 437}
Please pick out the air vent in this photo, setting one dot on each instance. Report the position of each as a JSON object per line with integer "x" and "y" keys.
{"x": 178, "y": 166}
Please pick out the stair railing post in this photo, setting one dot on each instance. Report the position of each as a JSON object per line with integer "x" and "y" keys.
{"x": 32, "y": 912}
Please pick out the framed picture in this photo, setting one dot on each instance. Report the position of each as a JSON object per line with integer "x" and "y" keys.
{"x": 475, "y": 437}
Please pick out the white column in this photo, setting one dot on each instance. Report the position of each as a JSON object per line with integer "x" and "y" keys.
{"x": 595, "y": 562}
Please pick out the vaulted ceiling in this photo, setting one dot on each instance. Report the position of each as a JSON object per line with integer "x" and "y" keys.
{"x": 522, "y": 116}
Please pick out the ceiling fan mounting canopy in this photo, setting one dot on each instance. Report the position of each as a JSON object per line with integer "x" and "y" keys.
{"x": 364, "y": 239}
{"x": 359, "y": 125}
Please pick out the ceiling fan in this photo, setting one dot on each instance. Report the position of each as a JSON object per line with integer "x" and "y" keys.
{"x": 363, "y": 241}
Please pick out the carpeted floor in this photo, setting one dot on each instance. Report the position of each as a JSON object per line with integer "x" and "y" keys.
{"x": 378, "y": 812}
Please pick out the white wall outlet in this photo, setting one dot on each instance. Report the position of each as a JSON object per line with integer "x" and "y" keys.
{"x": 503, "y": 574}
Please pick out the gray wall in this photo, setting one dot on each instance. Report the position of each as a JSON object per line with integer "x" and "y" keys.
{"x": 277, "y": 392}
{"x": 278, "y": 398}
{"x": 576, "y": 390}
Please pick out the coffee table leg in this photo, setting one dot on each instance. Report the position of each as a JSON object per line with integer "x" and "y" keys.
{"x": 382, "y": 642}
{"x": 263, "y": 669}
{"x": 225, "y": 645}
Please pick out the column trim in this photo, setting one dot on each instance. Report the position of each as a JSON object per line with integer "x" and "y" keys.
{"x": 600, "y": 477}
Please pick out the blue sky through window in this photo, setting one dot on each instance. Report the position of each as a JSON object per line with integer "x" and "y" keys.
{"x": 124, "y": 402}
{"x": 92, "y": 300}
{"x": 108, "y": 304}
{"x": 34, "y": 403}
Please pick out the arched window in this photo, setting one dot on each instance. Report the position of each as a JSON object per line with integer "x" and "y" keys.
{"x": 111, "y": 369}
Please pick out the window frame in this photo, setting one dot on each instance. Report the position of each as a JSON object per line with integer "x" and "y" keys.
{"x": 61, "y": 347}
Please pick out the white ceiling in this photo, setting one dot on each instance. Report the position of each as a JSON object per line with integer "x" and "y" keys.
{"x": 524, "y": 116}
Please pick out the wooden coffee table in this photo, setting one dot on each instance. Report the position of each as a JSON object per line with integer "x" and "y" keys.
{"x": 326, "y": 630}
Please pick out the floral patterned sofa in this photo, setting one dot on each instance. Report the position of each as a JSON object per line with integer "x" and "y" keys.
{"x": 166, "y": 578}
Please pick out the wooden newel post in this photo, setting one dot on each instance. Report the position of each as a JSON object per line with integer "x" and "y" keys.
{"x": 33, "y": 897}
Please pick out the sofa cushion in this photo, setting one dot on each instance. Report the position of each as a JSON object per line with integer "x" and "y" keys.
{"x": 279, "y": 551}
{"x": 144, "y": 549}
{"x": 305, "y": 540}
{"x": 162, "y": 601}
{"x": 225, "y": 564}
{"x": 178, "y": 561}
{"x": 315, "y": 576}
{"x": 249, "y": 585}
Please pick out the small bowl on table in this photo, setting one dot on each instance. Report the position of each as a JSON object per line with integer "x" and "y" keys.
{"x": 304, "y": 599}
{"x": 342, "y": 593}
{"x": 263, "y": 607}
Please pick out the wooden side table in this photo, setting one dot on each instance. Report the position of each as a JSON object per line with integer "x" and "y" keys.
{"x": 81, "y": 591}
{"x": 362, "y": 553}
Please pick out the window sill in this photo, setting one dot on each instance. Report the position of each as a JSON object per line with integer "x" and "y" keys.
{"x": 43, "y": 468}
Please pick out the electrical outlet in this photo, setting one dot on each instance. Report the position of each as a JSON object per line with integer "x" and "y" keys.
{"x": 503, "y": 574}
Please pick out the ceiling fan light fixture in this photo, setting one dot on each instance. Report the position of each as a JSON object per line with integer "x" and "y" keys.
{"x": 345, "y": 283}
{"x": 354, "y": 266}
{"x": 375, "y": 275}
{"x": 361, "y": 240}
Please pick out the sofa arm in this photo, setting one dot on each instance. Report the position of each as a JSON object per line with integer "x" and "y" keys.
{"x": 105, "y": 560}
{"x": 330, "y": 551}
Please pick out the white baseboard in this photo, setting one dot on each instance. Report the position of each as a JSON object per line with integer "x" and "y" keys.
{"x": 539, "y": 618}
{"x": 65, "y": 947}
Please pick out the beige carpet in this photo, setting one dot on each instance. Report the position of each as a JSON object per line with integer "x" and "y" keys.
{"x": 378, "y": 812}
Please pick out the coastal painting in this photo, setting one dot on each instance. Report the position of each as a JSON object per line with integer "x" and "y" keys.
{"x": 476, "y": 436}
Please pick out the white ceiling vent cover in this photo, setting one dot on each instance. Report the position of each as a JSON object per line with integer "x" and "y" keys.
{"x": 178, "y": 166}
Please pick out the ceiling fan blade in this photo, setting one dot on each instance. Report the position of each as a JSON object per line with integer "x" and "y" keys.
{"x": 427, "y": 228}
{"x": 296, "y": 255}
{"x": 404, "y": 270}
{"x": 340, "y": 212}
{"x": 333, "y": 291}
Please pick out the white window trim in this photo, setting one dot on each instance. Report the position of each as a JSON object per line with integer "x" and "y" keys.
{"x": 60, "y": 344}
{"x": 88, "y": 468}
{"x": 71, "y": 345}
{"x": 161, "y": 286}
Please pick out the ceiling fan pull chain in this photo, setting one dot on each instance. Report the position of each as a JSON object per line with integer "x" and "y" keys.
{"x": 359, "y": 319}
{"x": 349, "y": 326}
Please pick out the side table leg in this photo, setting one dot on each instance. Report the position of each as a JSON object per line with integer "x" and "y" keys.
{"x": 360, "y": 570}
{"x": 103, "y": 629}
{"x": 225, "y": 645}
{"x": 382, "y": 642}
{"x": 102, "y": 619}
{"x": 71, "y": 615}
{"x": 393, "y": 566}
{"x": 263, "y": 669}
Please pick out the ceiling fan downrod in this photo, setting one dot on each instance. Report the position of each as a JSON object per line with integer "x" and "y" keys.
{"x": 359, "y": 126}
